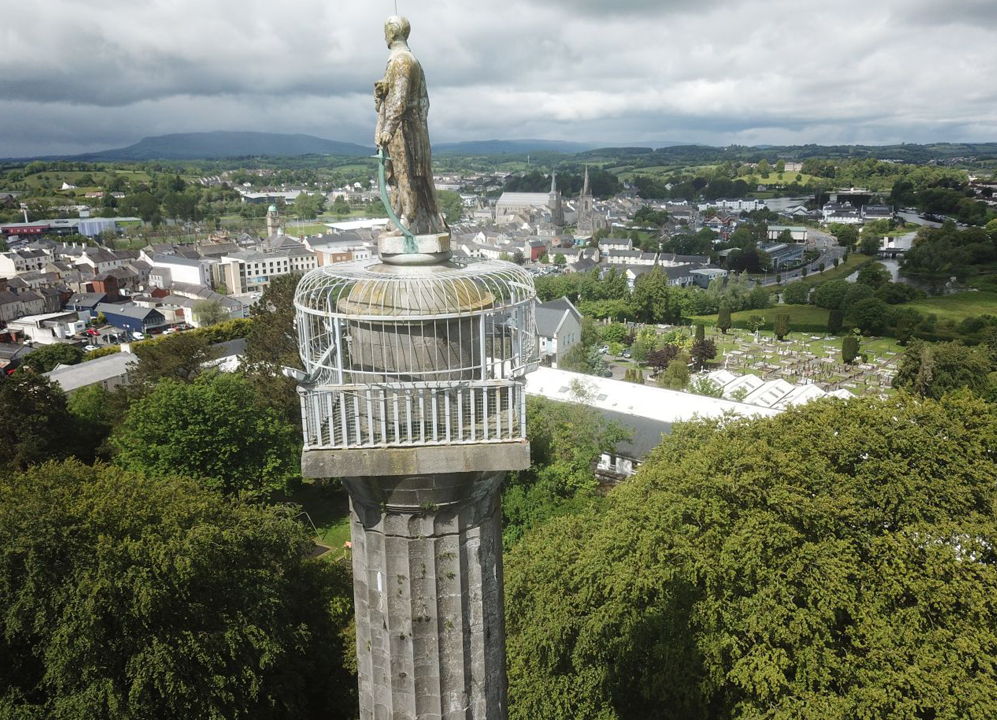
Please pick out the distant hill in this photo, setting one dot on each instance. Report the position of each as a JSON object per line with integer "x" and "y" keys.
{"x": 213, "y": 145}
{"x": 511, "y": 147}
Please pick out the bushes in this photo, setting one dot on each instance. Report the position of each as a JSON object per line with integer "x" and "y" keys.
{"x": 796, "y": 293}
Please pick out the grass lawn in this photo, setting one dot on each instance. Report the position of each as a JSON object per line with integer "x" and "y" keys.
{"x": 329, "y": 511}
{"x": 844, "y": 269}
{"x": 786, "y": 178}
{"x": 959, "y": 306}
{"x": 809, "y": 315}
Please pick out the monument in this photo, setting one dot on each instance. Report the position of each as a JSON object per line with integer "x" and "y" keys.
{"x": 413, "y": 394}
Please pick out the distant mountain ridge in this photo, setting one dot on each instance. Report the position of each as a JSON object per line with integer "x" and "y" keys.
{"x": 225, "y": 144}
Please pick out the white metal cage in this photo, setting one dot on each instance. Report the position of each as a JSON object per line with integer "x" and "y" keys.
{"x": 400, "y": 356}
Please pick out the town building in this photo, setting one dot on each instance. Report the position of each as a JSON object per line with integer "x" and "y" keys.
{"x": 48, "y": 328}
{"x": 783, "y": 254}
{"x": 798, "y": 233}
{"x": 559, "y": 328}
{"x": 132, "y": 317}
{"x": 16, "y": 262}
{"x": 645, "y": 410}
{"x": 107, "y": 372}
{"x": 250, "y": 271}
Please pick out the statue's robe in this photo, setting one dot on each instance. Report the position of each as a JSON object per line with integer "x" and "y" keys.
{"x": 403, "y": 113}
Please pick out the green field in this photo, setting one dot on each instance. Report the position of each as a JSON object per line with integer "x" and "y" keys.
{"x": 959, "y": 306}
{"x": 785, "y": 178}
{"x": 808, "y": 316}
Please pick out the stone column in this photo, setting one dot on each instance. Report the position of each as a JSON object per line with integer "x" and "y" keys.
{"x": 427, "y": 574}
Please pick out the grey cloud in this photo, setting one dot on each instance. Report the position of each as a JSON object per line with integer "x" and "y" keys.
{"x": 102, "y": 73}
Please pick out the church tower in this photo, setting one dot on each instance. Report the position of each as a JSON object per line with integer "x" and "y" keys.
{"x": 585, "y": 201}
{"x": 586, "y": 209}
{"x": 273, "y": 222}
{"x": 554, "y": 202}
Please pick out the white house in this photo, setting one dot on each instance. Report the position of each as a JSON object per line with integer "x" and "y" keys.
{"x": 559, "y": 327}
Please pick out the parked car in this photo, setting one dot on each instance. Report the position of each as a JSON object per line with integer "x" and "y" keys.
{"x": 604, "y": 349}
{"x": 90, "y": 348}
{"x": 93, "y": 333}
{"x": 138, "y": 336}
{"x": 169, "y": 331}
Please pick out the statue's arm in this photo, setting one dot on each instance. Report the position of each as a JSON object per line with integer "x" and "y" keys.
{"x": 396, "y": 101}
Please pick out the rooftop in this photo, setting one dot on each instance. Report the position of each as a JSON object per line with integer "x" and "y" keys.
{"x": 91, "y": 372}
{"x": 667, "y": 406}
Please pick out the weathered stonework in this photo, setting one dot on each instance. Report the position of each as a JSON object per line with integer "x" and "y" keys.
{"x": 427, "y": 574}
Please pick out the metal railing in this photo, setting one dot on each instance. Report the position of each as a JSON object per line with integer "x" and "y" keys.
{"x": 407, "y": 415}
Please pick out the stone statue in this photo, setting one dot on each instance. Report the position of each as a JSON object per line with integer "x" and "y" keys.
{"x": 402, "y": 104}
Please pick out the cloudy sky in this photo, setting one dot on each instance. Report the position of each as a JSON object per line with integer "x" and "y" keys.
{"x": 81, "y": 75}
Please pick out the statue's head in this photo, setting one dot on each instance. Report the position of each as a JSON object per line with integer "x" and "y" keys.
{"x": 396, "y": 28}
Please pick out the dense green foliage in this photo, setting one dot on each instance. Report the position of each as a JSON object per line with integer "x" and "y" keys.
{"x": 836, "y": 561}
{"x": 933, "y": 369}
{"x": 125, "y": 597}
{"x": 47, "y": 357}
{"x": 566, "y": 440}
{"x": 215, "y": 429}
{"x": 179, "y": 357}
{"x": 36, "y": 424}
{"x": 939, "y": 253}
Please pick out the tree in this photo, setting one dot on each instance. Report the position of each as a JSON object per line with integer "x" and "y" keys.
{"x": 871, "y": 315}
{"x": 340, "y": 206}
{"x": 759, "y": 298}
{"x": 215, "y": 429}
{"x": 676, "y": 375}
{"x": 781, "y": 326}
{"x": 873, "y": 274}
{"x": 933, "y": 369}
{"x": 566, "y": 440}
{"x": 702, "y": 352}
{"x": 451, "y": 205}
{"x": 796, "y": 293}
{"x": 835, "y": 320}
{"x": 560, "y": 260}
{"x": 634, "y": 375}
{"x": 748, "y": 570}
{"x": 36, "y": 423}
{"x": 180, "y": 357}
{"x": 47, "y": 357}
{"x": 94, "y": 412}
{"x": 849, "y": 349}
{"x": 209, "y": 312}
{"x": 847, "y": 235}
{"x": 700, "y": 332}
{"x": 905, "y": 323}
{"x": 723, "y": 318}
{"x": 831, "y": 294}
{"x": 661, "y": 357}
{"x": 870, "y": 244}
{"x": 164, "y": 600}
{"x": 272, "y": 344}
{"x": 705, "y": 386}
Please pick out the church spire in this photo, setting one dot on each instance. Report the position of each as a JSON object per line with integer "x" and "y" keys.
{"x": 585, "y": 185}
{"x": 553, "y": 181}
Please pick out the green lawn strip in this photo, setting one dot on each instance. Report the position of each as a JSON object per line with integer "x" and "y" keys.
{"x": 328, "y": 509}
{"x": 958, "y": 307}
{"x": 844, "y": 269}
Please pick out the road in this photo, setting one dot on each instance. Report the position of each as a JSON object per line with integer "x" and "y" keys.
{"x": 918, "y": 220}
{"x": 829, "y": 250}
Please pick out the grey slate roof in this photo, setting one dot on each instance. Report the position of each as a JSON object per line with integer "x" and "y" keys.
{"x": 549, "y": 315}
{"x": 91, "y": 372}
